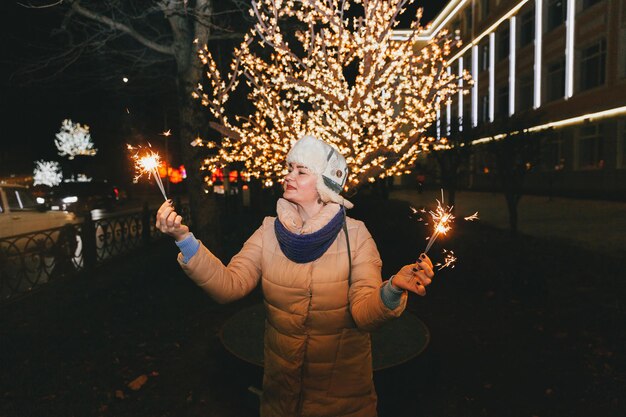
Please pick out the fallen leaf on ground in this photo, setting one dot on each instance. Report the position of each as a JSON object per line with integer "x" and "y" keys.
{"x": 138, "y": 382}
{"x": 119, "y": 394}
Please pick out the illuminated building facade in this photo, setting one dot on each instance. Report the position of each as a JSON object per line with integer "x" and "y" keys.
{"x": 564, "y": 61}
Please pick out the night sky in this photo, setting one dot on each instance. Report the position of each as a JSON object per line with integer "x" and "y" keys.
{"x": 31, "y": 112}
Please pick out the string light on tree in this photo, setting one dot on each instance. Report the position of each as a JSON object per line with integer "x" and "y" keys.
{"x": 74, "y": 139}
{"x": 47, "y": 173}
{"x": 352, "y": 85}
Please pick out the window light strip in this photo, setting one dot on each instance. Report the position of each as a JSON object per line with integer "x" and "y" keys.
{"x": 438, "y": 124}
{"x": 405, "y": 34}
{"x": 569, "y": 48}
{"x": 448, "y": 109}
{"x": 475, "y": 86}
{"x": 492, "y": 75}
{"x": 460, "y": 94}
{"x": 491, "y": 28}
{"x": 585, "y": 118}
{"x": 538, "y": 51}
{"x": 512, "y": 56}
{"x": 429, "y": 32}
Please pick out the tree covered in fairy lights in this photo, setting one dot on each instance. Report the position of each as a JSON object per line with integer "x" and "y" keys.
{"x": 341, "y": 76}
{"x": 47, "y": 173}
{"x": 74, "y": 139}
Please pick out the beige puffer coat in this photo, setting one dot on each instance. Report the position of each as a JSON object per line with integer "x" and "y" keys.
{"x": 318, "y": 359}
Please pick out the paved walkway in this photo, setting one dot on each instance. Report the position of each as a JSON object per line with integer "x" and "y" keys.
{"x": 591, "y": 224}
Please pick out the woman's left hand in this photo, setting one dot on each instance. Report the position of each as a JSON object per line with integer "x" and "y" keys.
{"x": 415, "y": 277}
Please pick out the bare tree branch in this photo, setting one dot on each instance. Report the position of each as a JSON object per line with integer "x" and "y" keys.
{"x": 105, "y": 20}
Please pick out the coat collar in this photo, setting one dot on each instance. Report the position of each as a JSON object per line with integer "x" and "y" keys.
{"x": 288, "y": 215}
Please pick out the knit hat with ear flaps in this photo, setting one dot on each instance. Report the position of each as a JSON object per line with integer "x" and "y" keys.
{"x": 327, "y": 163}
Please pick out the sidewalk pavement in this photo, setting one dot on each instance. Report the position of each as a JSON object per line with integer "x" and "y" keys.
{"x": 599, "y": 226}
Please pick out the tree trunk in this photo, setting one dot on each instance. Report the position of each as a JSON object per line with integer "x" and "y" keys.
{"x": 205, "y": 213}
{"x": 512, "y": 201}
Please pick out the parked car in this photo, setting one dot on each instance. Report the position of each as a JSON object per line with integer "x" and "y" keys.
{"x": 80, "y": 197}
{"x": 20, "y": 213}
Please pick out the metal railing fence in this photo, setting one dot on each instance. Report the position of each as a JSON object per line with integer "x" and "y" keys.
{"x": 29, "y": 261}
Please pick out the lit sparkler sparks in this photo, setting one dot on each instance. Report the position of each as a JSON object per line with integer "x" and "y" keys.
{"x": 442, "y": 218}
{"x": 472, "y": 217}
{"x": 449, "y": 260}
{"x": 147, "y": 162}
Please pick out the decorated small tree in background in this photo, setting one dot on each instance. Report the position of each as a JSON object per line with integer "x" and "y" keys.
{"x": 340, "y": 76}
{"x": 47, "y": 173}
{"x": 74, "y": 139}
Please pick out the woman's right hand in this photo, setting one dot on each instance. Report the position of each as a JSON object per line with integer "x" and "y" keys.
{"x": 171, "y": 223}
{"x": 415, "y": 277}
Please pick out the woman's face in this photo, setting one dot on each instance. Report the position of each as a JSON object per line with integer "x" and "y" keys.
{"x": 300, "y": 185}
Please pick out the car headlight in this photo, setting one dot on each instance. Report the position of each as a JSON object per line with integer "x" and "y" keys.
{"x": 70, "y": 199}
{"x": 41, "y": 200}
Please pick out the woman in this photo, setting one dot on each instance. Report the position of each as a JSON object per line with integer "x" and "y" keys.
{"x": 322, "y": 288}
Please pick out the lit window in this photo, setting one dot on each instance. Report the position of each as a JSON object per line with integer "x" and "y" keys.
{"x": 527, "y": 28}
{"x": 593, "y": 65}
{"x": 590, "y": 147}
{"x": 557, "y": 11}
{"x": 556, "y": 80}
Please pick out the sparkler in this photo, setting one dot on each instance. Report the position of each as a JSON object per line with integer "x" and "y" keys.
{"x": 147, "y": 162}
{"x": 442, "y": 218}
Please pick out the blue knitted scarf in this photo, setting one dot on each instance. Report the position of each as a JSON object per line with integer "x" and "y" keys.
{"x": 308, "y": 247}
